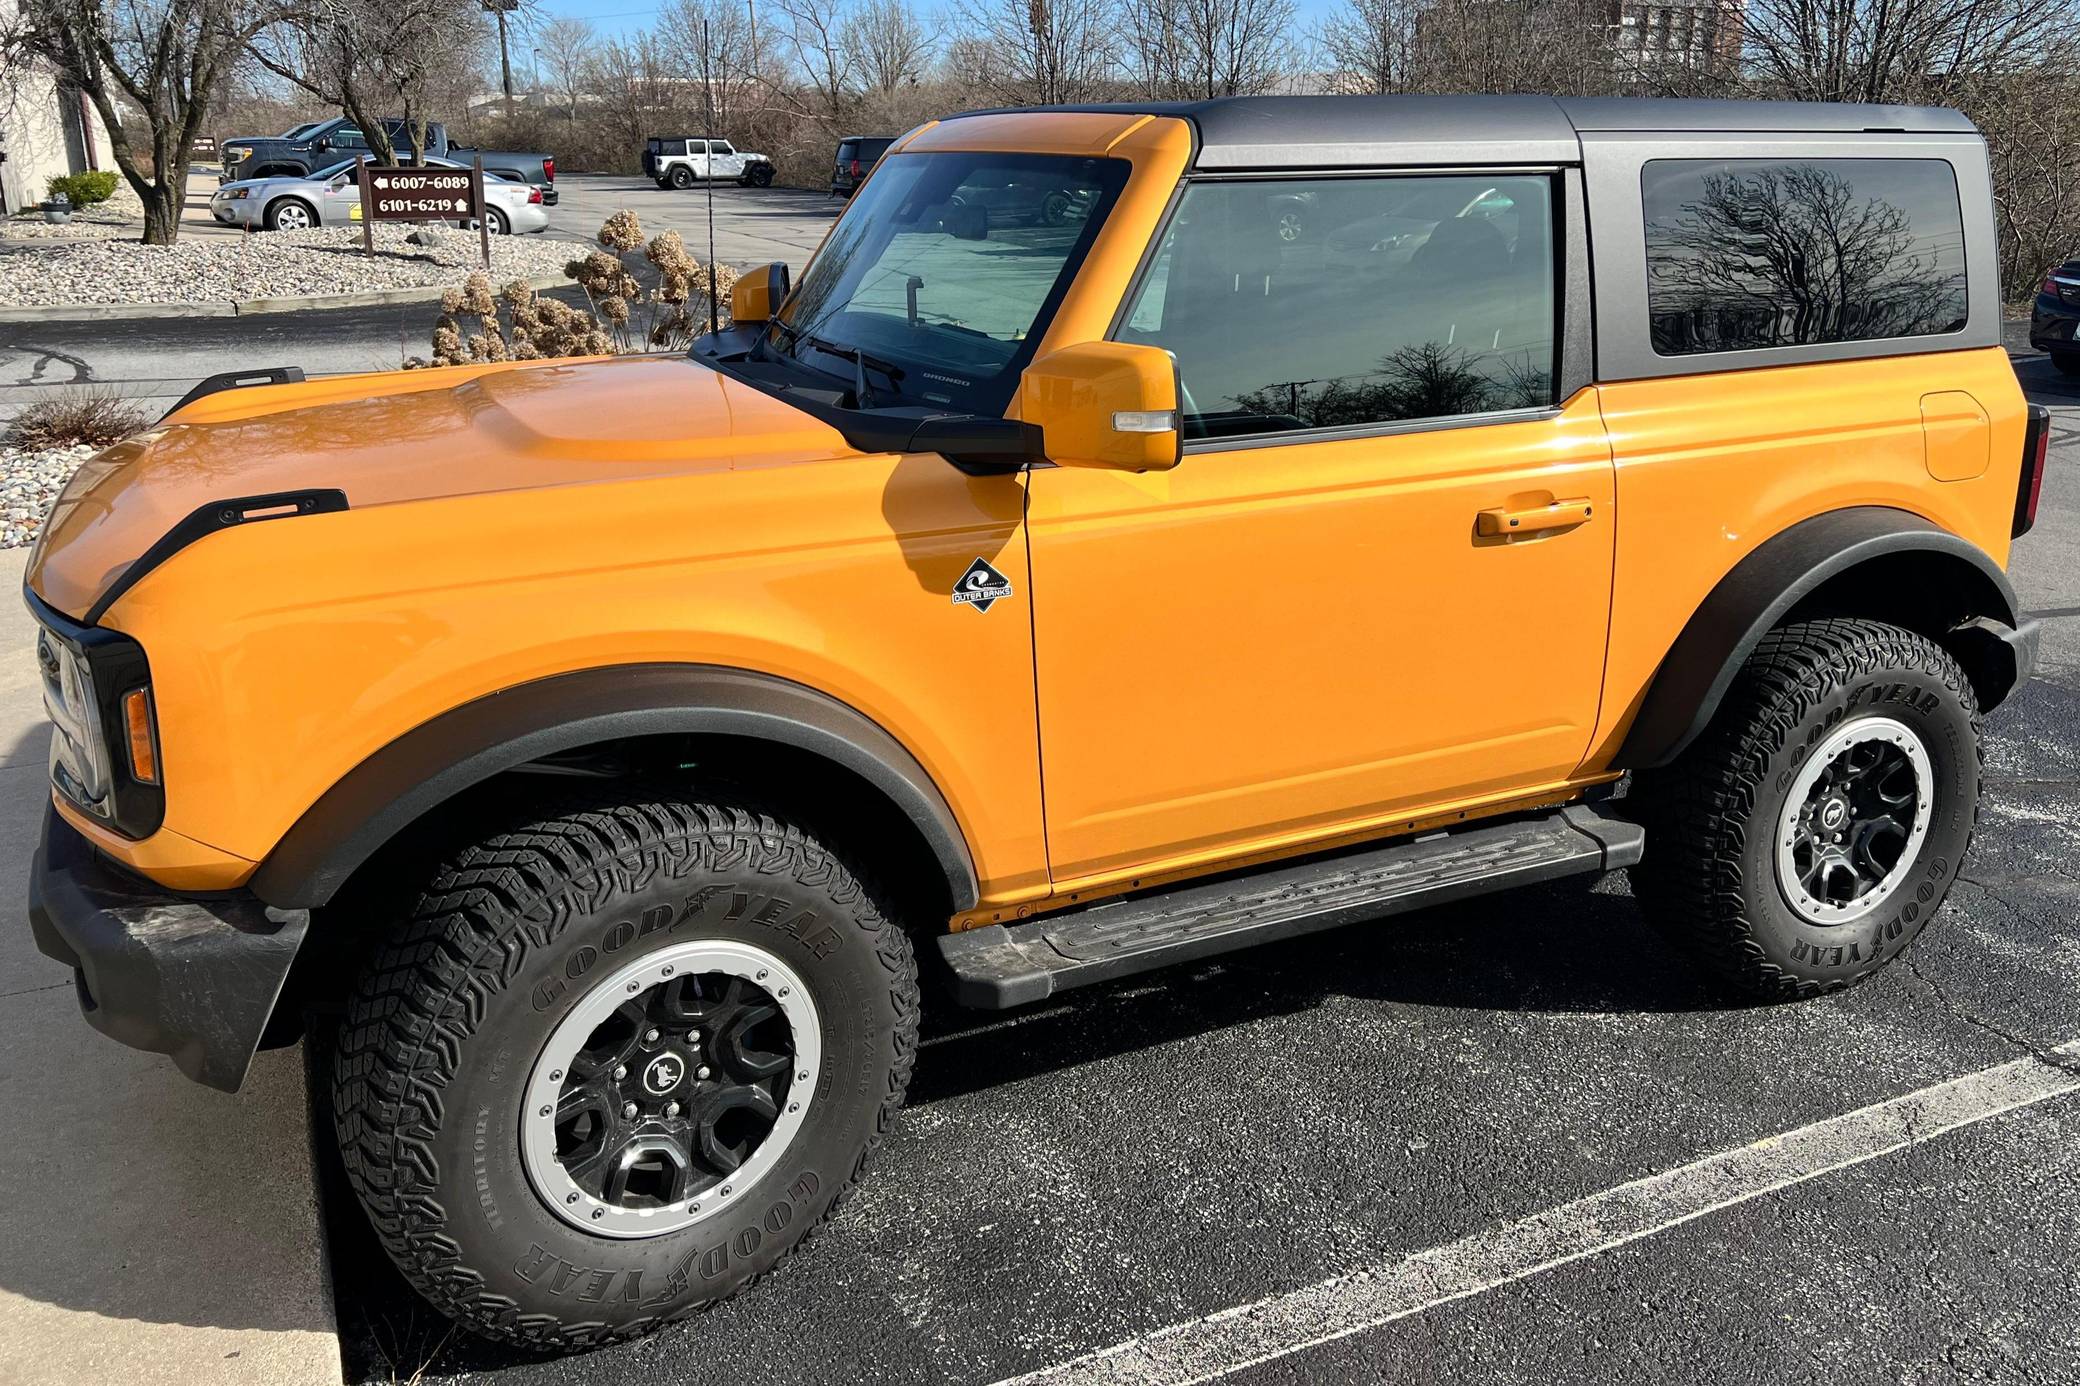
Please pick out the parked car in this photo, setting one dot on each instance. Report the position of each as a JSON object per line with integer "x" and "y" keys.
{"x": 592, "y": 743}
{"x": 321, "y": 143}
{"x": 680, "y": 161}
{"x": 857, "y": 155}
{"x": 332, "y": 197}
{"x": 2054, "y": 318}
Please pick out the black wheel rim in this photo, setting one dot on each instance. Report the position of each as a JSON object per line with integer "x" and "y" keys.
{"x": 1854, "y": 820}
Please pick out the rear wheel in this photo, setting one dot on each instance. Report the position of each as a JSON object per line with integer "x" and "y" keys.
{"x": 682, "y": 176}
{"x": 495, "y": 222}
{"x": 618, "y": 1063}
{"x": 291, "y": 214}
{"x": 1809, "y": 834}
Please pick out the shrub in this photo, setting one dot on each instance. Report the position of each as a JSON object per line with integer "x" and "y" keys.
{"x": 69, "y": 417}
{"x": 518, "y": 325}
{"x": 85, "y": 189}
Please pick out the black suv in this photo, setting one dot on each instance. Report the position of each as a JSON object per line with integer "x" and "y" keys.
{"x": 2054, "y": 319}
{"x": 857, "y": 155}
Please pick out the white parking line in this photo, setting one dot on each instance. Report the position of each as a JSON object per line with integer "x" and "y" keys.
{"x": 1249, "y": 1334}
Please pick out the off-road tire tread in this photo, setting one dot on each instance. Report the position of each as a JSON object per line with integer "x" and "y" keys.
{"x": 1697, "y": 810}
{"x": 431, "y": 983}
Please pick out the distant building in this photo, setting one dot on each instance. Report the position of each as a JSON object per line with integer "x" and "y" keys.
{"x": 1700, "y": 34}
{"x": 47, "y": 127}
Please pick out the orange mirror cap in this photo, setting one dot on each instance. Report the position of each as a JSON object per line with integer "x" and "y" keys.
{"x": 1106, "y": 404}
{"x": 758, "y": 294}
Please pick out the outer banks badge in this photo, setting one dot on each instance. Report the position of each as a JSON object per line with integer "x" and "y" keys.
{"x": 980, "y": 586}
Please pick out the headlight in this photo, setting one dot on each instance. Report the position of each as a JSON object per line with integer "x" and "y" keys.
{"x": 234, "y": 156}
{"x": 104, "y": 729}
{"x": 236, "y": 194}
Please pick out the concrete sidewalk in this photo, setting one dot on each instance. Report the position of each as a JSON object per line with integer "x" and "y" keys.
{"x": 150, "y": 1229}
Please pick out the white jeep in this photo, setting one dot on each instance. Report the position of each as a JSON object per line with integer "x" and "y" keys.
{"x": 680, "y": 161}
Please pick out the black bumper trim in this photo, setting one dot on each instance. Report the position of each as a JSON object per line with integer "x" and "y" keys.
{"x": 190, "y": 976}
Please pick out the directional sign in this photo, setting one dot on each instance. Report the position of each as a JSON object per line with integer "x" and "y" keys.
{"x": 421, "y": 194}
{"x": 424, "y": 194}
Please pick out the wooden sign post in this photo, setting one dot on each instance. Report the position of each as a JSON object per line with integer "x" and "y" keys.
{"x": 423, "y": 194}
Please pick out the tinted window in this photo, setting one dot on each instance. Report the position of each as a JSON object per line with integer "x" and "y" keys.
{"x": 347, "y": 137}
{"x": 948, "y": 267}
{"x": 1338, "y": 302}
{"x": 848, "y": 151}
{"x": 1746, "y": 253}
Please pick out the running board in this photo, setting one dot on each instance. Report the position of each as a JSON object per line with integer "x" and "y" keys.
{"x": 998, "y": 966}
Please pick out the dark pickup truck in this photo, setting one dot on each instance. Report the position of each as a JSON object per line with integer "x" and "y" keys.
{"x": 322, "y": 142}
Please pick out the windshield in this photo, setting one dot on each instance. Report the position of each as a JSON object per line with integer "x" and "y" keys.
{"x": 304, "y": 129}
{"x": 947, "y": 267}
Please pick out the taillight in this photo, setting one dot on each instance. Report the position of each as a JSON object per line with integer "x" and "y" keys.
{"x": 855, "y": 168}
{"x": 534, "y": 195}
{"x": 549, "y": 170}
{"x": 2049, "y": 286}
{"x": 2036, "y": 451}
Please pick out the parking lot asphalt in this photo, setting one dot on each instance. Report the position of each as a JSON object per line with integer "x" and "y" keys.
{"x": 1517, "y": 1139}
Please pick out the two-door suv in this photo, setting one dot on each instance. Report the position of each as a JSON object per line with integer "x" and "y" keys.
{"x": 596, "y": 744}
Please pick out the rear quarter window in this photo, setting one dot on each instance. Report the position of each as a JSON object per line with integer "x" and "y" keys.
{"x": 1754, "y": 253}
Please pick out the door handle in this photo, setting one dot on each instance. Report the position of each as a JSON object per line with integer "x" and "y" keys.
{"x": 1559, "y": 515}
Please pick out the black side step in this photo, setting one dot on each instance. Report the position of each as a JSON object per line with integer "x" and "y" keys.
{"x": 1001, "y": 966}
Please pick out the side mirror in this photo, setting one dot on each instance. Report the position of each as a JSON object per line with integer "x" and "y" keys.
{"x": 1107, "y": 404}
{"x": 758, "y": 294}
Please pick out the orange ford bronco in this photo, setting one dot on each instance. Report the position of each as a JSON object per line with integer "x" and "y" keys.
{"x": 1142, "y": 533}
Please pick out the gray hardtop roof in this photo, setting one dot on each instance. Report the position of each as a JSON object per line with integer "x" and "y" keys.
{"x": 1267, "y": 132}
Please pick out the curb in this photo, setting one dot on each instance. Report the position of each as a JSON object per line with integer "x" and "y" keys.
{"x": 247, "y": 307}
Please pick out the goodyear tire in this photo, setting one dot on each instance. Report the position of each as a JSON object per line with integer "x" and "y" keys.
{"x": 1807, "y": 837}
{"x": 619, "y": 1062}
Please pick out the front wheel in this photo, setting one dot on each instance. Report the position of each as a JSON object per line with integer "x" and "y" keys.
{"x": 291, "y": 214}
{"x": 618, "y": 1063}
{"x": 1810, "y": 833}
{"x": 758, "y": 176}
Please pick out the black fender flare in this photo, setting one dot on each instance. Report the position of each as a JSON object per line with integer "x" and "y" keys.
{"x": 1763, "y": 588}
{"x": 425, "y": 767}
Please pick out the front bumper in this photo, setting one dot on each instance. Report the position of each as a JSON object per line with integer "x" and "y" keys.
{"x": 195, "y": 977}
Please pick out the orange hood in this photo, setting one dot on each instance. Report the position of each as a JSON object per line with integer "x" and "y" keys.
{"x": 396, "y": 437}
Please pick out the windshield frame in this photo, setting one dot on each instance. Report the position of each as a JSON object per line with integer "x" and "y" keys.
{"x": 783, "y": 339}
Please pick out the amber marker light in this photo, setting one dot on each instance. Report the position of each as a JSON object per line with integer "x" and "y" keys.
{"x": 137, "y": 717}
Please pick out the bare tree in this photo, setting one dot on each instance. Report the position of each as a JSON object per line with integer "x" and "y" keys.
{"x": 1044, "y": 52}
{"x": 814, "y": 34}
{"x": 636, "y": 79}
{"x": 151, "y": 68}
{"x": 1555, "y": 47}
{"x": 376, "y": 60}
{"x": 889, "y": 44}
{"x": 565, "y": 47}
{"x": 1898, "y": 50}
{"x": 721, "y": 39}
{"x": 1369, "y": 45}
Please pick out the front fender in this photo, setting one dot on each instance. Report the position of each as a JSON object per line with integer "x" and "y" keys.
{"x": 427, "y": 766}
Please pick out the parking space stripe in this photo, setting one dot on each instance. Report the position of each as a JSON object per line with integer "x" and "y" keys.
{"x": 1278, "y": 1326}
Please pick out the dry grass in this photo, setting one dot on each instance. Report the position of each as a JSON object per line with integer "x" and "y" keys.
{"x": 68, "y": 417}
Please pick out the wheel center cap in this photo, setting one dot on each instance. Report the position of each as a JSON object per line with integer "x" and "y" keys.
{"x": 1833, "y": 814}
{"x": 663, "y": 1074}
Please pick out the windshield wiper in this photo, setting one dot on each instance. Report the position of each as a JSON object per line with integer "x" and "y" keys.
{"x": 861, "y": 364}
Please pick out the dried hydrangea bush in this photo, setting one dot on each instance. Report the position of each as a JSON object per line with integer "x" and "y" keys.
{"x": 621, "y": 317}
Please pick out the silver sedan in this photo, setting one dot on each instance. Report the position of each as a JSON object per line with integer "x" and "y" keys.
{"x": 332, "y": 197}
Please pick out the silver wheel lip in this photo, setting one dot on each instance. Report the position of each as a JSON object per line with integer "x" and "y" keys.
{"x": 1893, "y": 732}
{"x": 304, "y": 221}
{"x": 538, "y": 1133}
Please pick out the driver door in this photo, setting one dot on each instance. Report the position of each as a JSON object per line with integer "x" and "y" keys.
{"x": 725, "y": 161}
{"x": 1378, "y": 584}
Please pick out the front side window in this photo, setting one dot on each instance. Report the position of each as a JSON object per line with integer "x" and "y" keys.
{"x": 947, "y": 267}
{"x": 1342, "y": 302}
{"x": 721, "y": 148}
{"x": 347, "y": 137}
{"x": 1754, "y": 253}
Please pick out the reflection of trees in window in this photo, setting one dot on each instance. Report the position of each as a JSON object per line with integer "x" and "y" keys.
{"x": 1428, "y": 380}
{"x": 1790, "y": 255}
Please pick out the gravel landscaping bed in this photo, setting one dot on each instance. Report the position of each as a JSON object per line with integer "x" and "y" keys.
{"x": 268, "y": 264}
{"x": 29, "y": 483}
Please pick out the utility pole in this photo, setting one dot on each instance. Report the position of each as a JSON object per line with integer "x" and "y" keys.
{"x": 505, "y": 61}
